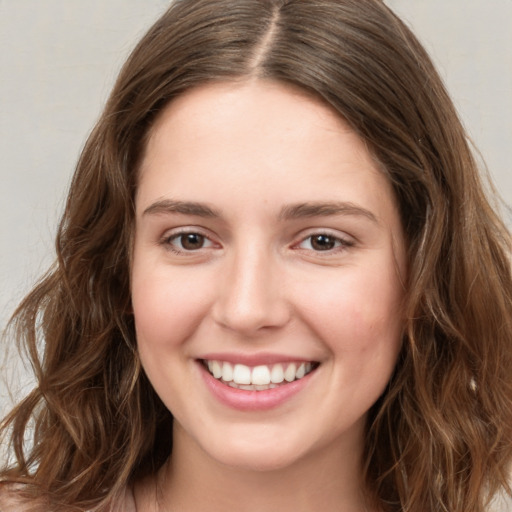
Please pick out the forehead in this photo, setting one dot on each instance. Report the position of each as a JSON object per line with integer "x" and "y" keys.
{"x": 249, "y": 106}
{"x": 263, "y": 137}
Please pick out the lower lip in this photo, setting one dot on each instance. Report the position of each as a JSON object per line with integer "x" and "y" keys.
{"x": 246, "y": 400}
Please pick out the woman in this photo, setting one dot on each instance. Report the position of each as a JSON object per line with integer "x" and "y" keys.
{"x": 277, "y": 262}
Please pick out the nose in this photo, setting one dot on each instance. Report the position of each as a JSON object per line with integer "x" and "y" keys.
{"x": 251, "y": 296}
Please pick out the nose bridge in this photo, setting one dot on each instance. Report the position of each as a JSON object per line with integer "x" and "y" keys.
{"x": 251, "y": 297}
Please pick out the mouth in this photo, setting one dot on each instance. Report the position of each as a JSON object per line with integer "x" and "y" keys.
{"x": 258, "y": 378}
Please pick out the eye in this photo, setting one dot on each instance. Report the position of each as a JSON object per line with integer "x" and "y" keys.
{"x": 323, "y": 242}
{"x": 187, "y": 242}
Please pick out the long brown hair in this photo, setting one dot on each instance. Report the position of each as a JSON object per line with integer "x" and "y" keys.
{"x": 440, "y": 437}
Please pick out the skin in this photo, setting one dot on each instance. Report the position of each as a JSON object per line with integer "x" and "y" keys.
{"x": 256, "y": 283}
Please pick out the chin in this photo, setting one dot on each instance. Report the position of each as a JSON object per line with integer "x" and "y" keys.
{"x": 257, "y": 460}
{"x": 260, "y": 455}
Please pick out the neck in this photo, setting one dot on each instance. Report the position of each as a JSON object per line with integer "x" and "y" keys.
{"x": 328, "y": 480}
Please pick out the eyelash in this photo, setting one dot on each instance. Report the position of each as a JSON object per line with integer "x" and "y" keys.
{"x": 340, "y": 243}
{"x": 167, "y": 241}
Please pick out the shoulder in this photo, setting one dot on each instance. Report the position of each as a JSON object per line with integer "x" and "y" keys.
{"x": 144, "y": 495}
{"x": 127, "y": 502}
{"x": 12, "y": 500}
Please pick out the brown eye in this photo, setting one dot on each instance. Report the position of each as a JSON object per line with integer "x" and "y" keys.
{"x": 191, "y": 241}
{"x": 187, "y": 242}
{"x": 323, "y": 242}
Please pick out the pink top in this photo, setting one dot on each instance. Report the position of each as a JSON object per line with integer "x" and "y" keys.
{"x": 128, "y": 502}
{"x": 10, "y": 502}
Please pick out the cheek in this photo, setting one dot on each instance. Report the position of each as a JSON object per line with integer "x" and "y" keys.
{"x": 360, "y": 312}
{"x": 166, "y": 308}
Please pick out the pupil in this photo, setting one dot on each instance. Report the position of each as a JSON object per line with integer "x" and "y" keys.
{"x": 192, "y": 241}
{"x": 322, "y": 242}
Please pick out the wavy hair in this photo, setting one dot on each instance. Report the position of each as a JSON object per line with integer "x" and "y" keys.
{"x": 440, "y": 437}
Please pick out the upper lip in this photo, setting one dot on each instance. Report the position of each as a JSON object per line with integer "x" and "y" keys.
{"x": 256, "y": 359}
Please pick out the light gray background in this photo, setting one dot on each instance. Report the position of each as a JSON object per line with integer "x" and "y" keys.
{"x": 58, "y": 59}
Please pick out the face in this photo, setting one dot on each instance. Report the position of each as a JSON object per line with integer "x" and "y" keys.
{"x": 267, "y": 275}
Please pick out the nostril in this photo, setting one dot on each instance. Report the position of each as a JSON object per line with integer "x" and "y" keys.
{"x": 250, "y": 320}
{"x": 250, "y": 296}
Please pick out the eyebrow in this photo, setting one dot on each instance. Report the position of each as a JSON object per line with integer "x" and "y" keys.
{"x": 183, "y": 207}
{"x": 289, "y": 212}
{"x": 321, "y": 209}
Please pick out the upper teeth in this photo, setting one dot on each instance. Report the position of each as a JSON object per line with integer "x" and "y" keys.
{"x": 258, "y": 375}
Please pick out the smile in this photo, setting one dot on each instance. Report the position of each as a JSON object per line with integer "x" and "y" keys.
{"x": 258, "y": 378}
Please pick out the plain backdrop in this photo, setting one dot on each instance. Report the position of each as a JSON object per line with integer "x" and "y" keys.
{"x": 58, "y": 59}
